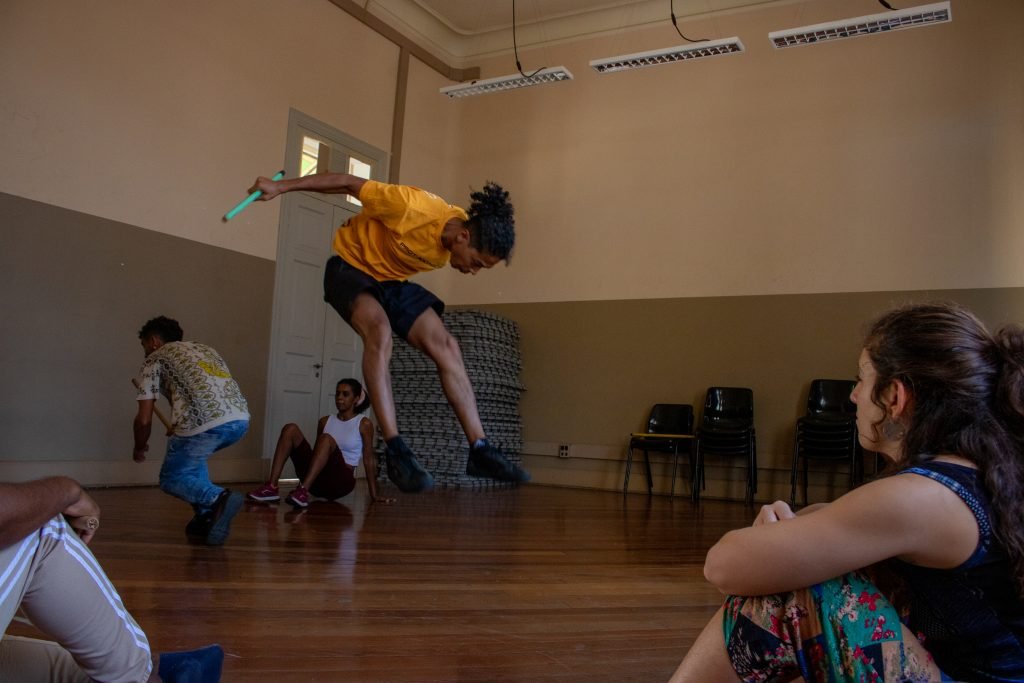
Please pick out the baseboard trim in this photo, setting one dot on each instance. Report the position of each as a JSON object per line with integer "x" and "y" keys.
{"x": 125, "y": 472}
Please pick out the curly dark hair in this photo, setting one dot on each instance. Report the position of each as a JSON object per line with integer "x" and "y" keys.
{"x": 492, "y": 228}
{"x": 166, "y": 328}
{"x": 967, "y": 398}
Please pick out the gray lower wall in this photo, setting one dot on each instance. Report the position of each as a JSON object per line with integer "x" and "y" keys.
{"x": 592, "y": 370}
{"x": 76, "y": 290}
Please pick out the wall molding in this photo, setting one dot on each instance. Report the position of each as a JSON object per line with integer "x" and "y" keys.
{"x": 100, "y": 473}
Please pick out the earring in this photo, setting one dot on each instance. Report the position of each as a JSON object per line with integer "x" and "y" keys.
{"x": 893, "y": 430}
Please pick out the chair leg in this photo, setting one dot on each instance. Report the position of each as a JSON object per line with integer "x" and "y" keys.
{"x": 753, "y": 470}
{"x": 650, "y": 480}
{"x": 691, "y": 454}
{"x": 806, "y": 477}
{"x": 629, "y": 466}
{"x": 853, "y": 468}
{"x": 675, "y": 465}
{"x": 748, "y": 497}
{"x": 698, "y": 475}
{"x": 753, "y": 462}
{"x": 856, "y": 463}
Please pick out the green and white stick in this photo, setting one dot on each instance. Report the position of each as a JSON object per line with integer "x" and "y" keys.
{"x": 249, "y": 200}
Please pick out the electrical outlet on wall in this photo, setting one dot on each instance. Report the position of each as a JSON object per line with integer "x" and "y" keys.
{"x": 563, "y": 450}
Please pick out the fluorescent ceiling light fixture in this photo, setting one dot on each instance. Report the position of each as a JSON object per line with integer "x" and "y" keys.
{"x": 668, "y": 55}
{"x": 913, "y": 17}
{"x": 547, "y": 75}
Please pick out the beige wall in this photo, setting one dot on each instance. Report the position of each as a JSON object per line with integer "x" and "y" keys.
{"x": 803, "y": 166}
{"x": 160, "y": 114}
{"x": 432, "y": 149}
{"x": 881, "y": 163}
{"x": 728, "y": 221}
{"x": 592, "y": 370}
{"x": 127, "y": 129}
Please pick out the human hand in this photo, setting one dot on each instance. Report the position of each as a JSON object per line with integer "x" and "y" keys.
{"x": 139, "y": 454}
{"x": 774, "y": 512}
{"x": 84, "y": 516}
{"x": 265, "y": 185}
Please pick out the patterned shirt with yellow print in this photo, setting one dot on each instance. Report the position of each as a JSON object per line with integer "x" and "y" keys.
{"x": 198, "y": 384}
{"x": 398, "y": 232}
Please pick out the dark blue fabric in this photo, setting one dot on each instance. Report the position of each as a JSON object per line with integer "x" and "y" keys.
{"x": 970, "y": 617}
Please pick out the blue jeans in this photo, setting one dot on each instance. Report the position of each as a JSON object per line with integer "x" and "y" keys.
{"x": 184, "y": 474}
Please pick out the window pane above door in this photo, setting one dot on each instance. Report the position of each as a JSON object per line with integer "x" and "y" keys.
{"x": 310, "y": 156}
{"x": 360, "y": 168}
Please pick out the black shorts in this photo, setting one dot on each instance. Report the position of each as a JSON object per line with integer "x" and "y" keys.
{"x": 403, "y": 301}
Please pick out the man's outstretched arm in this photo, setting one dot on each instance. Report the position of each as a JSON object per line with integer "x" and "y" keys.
{"x": 26, "y": 507}
{"x": 327, "y": 183}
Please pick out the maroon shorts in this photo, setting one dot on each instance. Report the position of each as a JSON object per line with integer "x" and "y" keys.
{"x": 335, "y": 480}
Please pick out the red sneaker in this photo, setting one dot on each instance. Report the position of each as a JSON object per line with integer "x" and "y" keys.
{"x": 265, "y": 494}
{"x": 299, "y": 497}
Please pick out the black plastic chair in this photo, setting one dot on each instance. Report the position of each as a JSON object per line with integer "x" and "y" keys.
{"x": 727, "y": 429}
{"x": 669, "y": 430}
{"x": 827, "y": 432}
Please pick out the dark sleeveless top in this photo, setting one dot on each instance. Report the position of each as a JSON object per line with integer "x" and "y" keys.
{"x": 970, "y": 617}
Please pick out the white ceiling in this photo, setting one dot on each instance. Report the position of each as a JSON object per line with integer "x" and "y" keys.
{"x": 460, "y": 31}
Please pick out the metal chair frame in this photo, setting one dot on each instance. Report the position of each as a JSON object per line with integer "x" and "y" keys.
{"x": 666, "y": 436}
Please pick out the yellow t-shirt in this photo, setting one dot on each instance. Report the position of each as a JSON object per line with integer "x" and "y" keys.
{"x": 398, "y": 232}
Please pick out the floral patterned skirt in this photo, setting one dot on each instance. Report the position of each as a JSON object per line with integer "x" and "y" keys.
{"x": 839, "y": 630}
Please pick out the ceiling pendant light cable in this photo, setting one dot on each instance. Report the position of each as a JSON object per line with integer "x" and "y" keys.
{"x": 515, "y": 47}
{"x": 672, "y": 12}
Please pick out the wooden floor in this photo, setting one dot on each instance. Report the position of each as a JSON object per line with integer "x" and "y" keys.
{"x": 534, "y": 584}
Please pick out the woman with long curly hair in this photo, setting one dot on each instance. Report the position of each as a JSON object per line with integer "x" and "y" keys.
{"x": 942, "y": 399}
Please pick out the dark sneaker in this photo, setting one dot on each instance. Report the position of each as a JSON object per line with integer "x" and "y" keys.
{"x": 267, "y": 493}
{"x": 194, "y": 666}
{"x": 489, "y": 461}
{"x": 299, "y": 498}
{"x": 199, "y": 526}
{"x": 225, "y": 508}
{"x": 406, "y": 473}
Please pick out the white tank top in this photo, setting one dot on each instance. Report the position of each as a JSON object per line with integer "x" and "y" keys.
{"x": 346, "y": 434}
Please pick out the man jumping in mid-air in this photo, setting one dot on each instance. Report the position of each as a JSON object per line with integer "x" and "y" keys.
{"x": 402, "y": 231}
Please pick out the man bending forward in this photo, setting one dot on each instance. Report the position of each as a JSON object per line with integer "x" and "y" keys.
{"x": 402, "y": 231}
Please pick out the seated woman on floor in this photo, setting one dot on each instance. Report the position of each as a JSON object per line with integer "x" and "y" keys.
{"x": 943, "y": 400}
{"x": 327, "y": 469}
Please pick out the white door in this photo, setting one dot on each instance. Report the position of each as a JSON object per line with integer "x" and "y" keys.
{"x": 301, "y": 317}
{"x": 311, "y": 347}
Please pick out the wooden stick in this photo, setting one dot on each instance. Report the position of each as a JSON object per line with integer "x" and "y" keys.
{"x": 156, "y": 408}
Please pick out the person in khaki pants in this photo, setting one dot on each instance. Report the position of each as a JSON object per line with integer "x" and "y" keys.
{"x": 48, "y": 572}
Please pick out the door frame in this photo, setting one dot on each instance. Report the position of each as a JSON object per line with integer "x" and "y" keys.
{"x": 298, "y": 123}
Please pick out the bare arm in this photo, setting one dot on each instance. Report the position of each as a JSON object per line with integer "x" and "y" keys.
{"x": 327, "y": 183}
{"x": 903, "y": 516}
{"x": 370, "y": 461}
{"x": 24, "y": 508}
{"x": 808, "y": 509}
{"x": 142, "y": 427}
